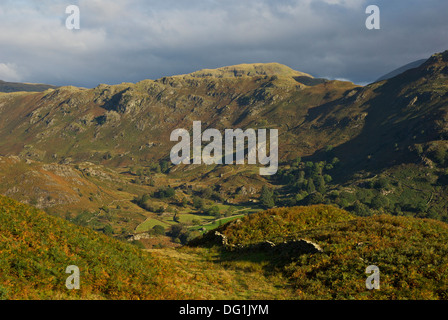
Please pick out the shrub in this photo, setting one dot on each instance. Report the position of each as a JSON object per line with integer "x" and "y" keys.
{"x": 108, "y": 230}
{"x": 267, "y": 197}
{"x": 164, "y": 192}
{"x": 198, "y": 203}
{"x": 158, "y": 229}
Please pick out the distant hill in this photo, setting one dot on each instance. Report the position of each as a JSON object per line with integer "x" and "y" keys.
{"x": 140, "y": 117}
{"x": 252, "y": 69}
{"x": 402, "y": 69}
{"x": 28, "y": 87}
{"x": 375, "y": 149}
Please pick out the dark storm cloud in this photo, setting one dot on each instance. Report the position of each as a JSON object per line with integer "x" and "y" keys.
{"x": 131, "y": 40}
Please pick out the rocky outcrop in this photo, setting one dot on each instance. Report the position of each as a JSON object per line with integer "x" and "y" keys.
{"x": 211, "y": 238}
{"x": 138, "y": 236}
{"x": 292, "y": 247}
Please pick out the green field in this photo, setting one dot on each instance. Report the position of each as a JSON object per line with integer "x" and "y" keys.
{"x": 217, "y": 223}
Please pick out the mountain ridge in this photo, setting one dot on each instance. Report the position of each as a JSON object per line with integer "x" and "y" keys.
{"x": 363, "y": 174}
{"x": 249, "y": 69}
{"x": 336, "y": 139}
{"x": 7, "y": 87}
{"x": 395, "y": 72}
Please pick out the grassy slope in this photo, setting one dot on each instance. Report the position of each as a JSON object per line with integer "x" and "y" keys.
{"x": 410, "y": 253}
{"x": 35, "y": 249}
{"x": 279, "y": 224}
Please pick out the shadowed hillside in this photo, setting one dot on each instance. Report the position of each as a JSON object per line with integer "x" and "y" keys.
{"x": 29, "y": 87}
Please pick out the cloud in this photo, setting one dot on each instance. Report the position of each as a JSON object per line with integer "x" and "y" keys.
{"x": 131, "y": 40}
{"x": 8, "y": 72}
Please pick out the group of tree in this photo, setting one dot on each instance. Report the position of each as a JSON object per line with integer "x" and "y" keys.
{"x": 267, "y": 199}
{"x": 164, "y": 192}
{"x": 307, "y": 183}
{"x": 181, "y": 234}
{"x": 161, "y": 166}
{"x": 209, "y": 193}
{"x": 308, "y": 176}
{"x": 199, "y": 204}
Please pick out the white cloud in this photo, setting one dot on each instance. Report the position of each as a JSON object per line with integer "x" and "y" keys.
{"x": 346, "y": 3}
{"x": 8, "y": 72}
{"x": 130, "y": 40}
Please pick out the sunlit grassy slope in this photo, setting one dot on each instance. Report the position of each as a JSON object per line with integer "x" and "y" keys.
{"x": 36, "y": 248}
{"x": 411, "y": 253}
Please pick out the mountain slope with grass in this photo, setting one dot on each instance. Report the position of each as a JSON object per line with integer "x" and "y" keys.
{"x": 100, "y": 157}
{"x": 401, "y": 69}
{"x": 129, "y": 124}
{"x": 36, "y": 249}
{"x": 410, "y": 253}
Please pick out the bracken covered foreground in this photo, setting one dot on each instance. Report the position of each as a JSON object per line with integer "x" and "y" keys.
{"x": 35, "y": 249}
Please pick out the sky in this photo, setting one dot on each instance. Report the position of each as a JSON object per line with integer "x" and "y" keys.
{"x": 132, "y": 40}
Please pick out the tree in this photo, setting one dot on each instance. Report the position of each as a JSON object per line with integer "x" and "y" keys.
{"x": 301, "y": 195}
{"x": 335, "y": 161}
{"x": 379, "y": 202}
{"x": 296, "y": 161}
{"x": 214, "y": 211}
{"x": 176, "y": 230}
{"x": 198, "y": 203}
{"x": 206, "y": 192}
{"x": 164, "y": 166}
{"x": 309, "y": 166}
{"x": 310, "y": 188}
{"x": 361, "y": 209}
{"x": 320, "y": 184}
{"x": 382, "y": 183}
{"x": 165, "y": 192}
{"x": 300, "y": 179}
{"x": 188, "y": 236}
{"x": 183, "y": 202}
{"x": 315, "y": 198}
{"x": 318, "y": 168}
{"x": 267, "y": 197}
{"x": 440, "y": 155}
{"x": 158, "y": 229}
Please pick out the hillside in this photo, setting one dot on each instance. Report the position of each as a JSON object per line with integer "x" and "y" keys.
{"x": 96, "y": 149}
{"x": 36, "y": 248}
{"x": 28, "y": 87}
{"x": 129, "y": 124}
{"x": 402, "y": 69}
{"x": 410, "y": 253}
{"x": 100, "y": 157}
